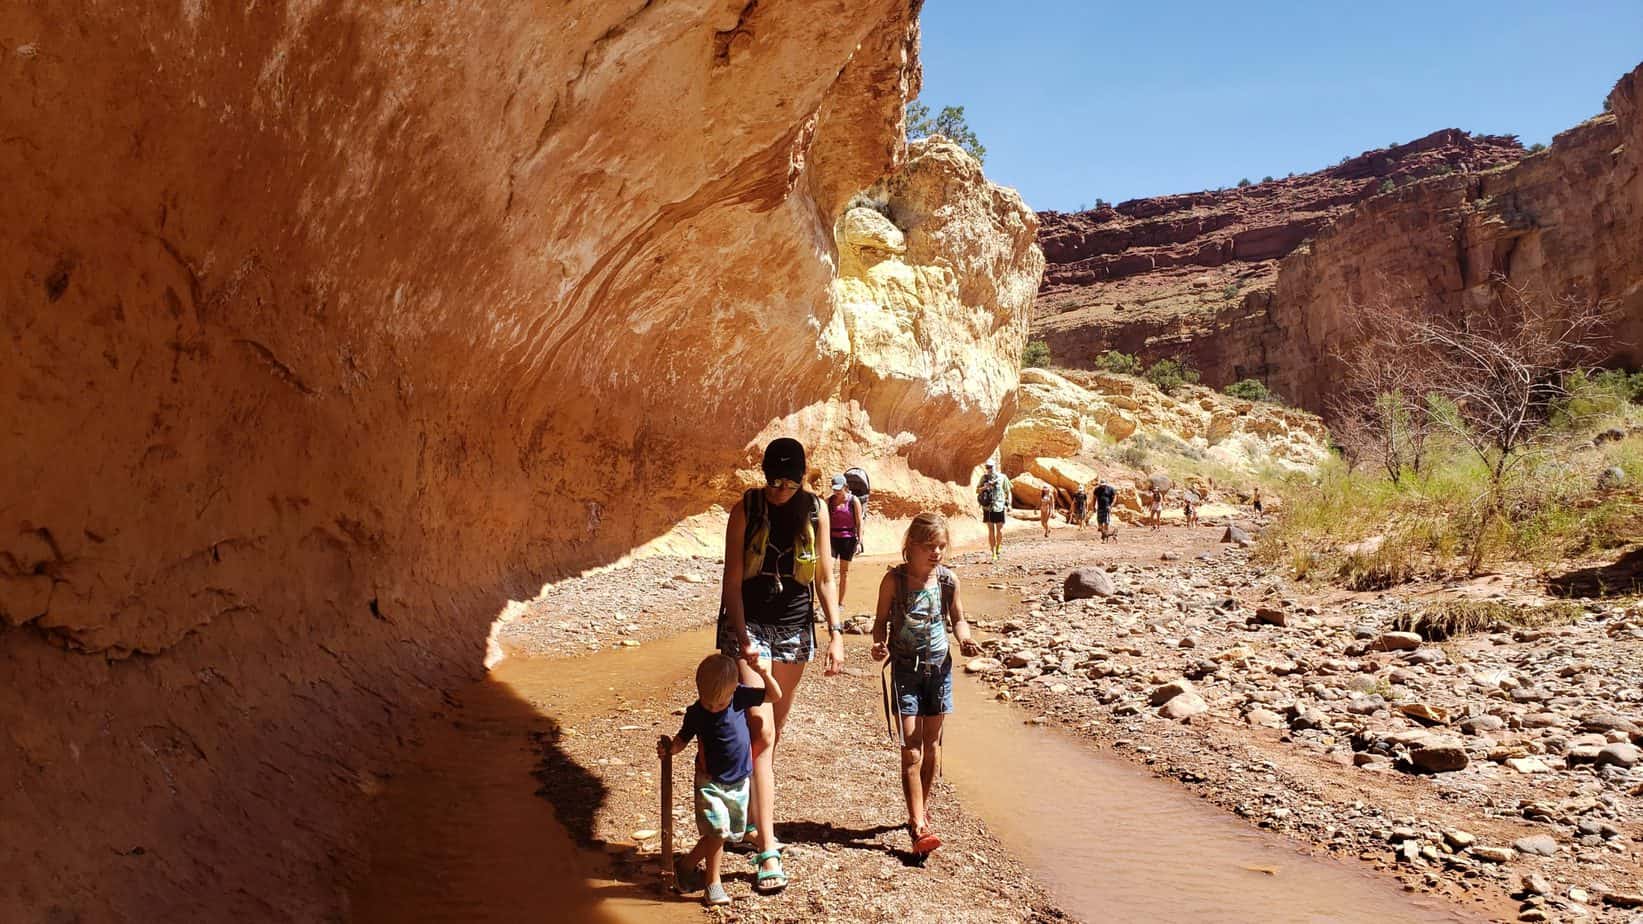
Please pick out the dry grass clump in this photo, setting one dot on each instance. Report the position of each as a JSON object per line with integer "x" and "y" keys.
{"x": 1450, "y": 618}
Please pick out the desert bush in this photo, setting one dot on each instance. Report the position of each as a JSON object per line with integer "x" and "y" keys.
{"x": 1250, "y": 390}
{"x": 1536, "y": 148}
{"x": 1244, "y": 182}
{"x": 1134, "y": 455}
{"x": 1387, "y": 185}
{"x": 1036, "y": 355}
{"x": 1121, "y": 363}
{"x": 1449, "y": 618}
{"x": 1170, "y": 374}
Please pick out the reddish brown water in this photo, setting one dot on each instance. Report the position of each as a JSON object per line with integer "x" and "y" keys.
{"x": 466, "y": 839}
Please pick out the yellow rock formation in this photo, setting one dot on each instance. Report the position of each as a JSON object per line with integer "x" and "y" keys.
{"x": 1065, "y": 414}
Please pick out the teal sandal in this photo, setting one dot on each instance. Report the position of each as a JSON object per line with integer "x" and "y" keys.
{"x": 767, "y": 881}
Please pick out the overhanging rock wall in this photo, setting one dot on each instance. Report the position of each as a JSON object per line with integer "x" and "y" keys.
{"x": 334, "y": 325}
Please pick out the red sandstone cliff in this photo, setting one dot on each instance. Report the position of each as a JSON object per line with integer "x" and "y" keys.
{"x": 1190, "y": 275}
{"x": 332, "y": 327}
{"x": 1262, "y": 281}
{"x": 1564, "y": 222}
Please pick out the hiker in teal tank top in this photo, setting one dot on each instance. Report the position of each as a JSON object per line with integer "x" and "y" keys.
{"x": 918, "y": 603}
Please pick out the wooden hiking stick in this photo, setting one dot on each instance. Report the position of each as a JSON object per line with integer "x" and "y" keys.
{"x": 668, "y": 878}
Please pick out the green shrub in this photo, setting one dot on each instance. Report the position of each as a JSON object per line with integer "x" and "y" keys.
{"x": 1134, "y": 455}
{"x": 1244, "y": 182}
{"x": 1250, "y": 390}
{"x": 1036, "y": 355}
{"x": 1170, "y": 374}
{"x": 1536, "y": 148}
{"x": 1230, "y": 290}
{"x": 1266, "y": 179}
{"x": 1387, "y": 185}
{"x": 1121, "y": 363}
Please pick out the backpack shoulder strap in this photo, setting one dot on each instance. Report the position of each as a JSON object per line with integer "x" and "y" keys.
{"x": 753, "y": 511}
{"x": 949, "y": 587}
{"x": 898, "y": 601}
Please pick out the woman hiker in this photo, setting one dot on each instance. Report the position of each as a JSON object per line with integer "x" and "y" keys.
{"x": 778, "y": 561}
{"x": 844, "y": 528}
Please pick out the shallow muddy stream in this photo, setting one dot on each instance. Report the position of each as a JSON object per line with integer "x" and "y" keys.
{"x": 465, "y": 838}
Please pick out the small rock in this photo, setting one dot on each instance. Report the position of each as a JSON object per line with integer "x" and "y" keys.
{"x": 1085, "y": 583}
{"x": 1425, "y": 714}
{"x": 1458, "y": 839}
{"x": 1438, "y": 754}
{"x": 982, "y": 665}
{"x": 1540, "y": 845}
{"x": 1535, "y": 884}
{"x": 1492, "y": 854}
{"x": 1184, "y": 706}
{"x": 1270, "y": 616}
{"x": 1264, "y": 717}
{"x": 1620, "y": 755}
{"x": 1169, "y": 691}
{"x": 1234, "y": 534}
{"x": 1624, "y": 899}
{"x": 1527, "y": 764}
{"x": 1396, "y": 641}
{"x": 1612, "y": 477}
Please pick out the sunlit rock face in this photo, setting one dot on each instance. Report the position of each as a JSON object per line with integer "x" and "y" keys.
{"x": 335, "y": 326}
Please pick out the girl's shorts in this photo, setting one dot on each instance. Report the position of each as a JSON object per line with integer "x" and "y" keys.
{"x": 924, "y": 692}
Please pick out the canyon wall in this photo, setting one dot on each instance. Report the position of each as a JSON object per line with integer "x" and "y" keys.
{"x": 1565, "y": 222}
{"x": 334, "y": 326}
{"x": 1261, "y": 282}
{"x": 1191, "y": 276}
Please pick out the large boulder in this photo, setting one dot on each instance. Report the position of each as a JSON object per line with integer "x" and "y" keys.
{"x": 1087, "y": 582}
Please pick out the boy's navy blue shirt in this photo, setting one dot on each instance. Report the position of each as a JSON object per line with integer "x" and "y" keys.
{"x": 725, "y": 746}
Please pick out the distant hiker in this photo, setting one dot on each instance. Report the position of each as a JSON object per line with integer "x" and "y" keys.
{"x": 778, "y": 562}
{"x": 1046, "y": 507}
{"x": 1155, "y": 507}
{"x": 724, "y": 764}
{"x": 1105, "y": 494}
{"x": 1189, "y": 508}
{"x": 994, "y": 496}
{"x": 1081, "y": 500}
{"x": 918, "y": 603}
{"x": 1257, "y": 500}
{"x": 844, "y": 523}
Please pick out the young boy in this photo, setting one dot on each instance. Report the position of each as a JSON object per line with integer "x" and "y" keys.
{"x": 724, "y": 763}
{"x": 918, "y": 601}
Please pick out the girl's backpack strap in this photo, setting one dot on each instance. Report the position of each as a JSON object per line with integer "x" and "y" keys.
{"x": 949, "y": 588}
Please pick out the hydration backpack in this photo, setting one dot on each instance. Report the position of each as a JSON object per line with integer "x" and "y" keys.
{"x": 756, "y": 538}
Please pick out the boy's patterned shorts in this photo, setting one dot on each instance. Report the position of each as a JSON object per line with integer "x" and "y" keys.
{"x": 721, "y": 808}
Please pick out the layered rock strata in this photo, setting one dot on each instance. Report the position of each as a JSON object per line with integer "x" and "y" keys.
{"x": 1182, "y": 275}
{"x": 336, "y": 327}
{"x": 1240, "y": 296}
{"x": 1563, "y": 223}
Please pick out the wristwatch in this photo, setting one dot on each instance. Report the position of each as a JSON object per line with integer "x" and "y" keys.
{"x": 834, "y": 628}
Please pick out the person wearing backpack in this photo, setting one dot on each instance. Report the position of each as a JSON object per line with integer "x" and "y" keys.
{"x": 778, "y": 562}
{"x": 844, "y": 527}
{"x": 993, "y": 494}
{"x": 918, "y": 603}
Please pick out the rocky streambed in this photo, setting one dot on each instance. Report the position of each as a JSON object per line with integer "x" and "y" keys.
{"x": 1501, "y": 768}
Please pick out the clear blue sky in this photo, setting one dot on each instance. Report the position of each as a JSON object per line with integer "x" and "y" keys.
{"x": 1079, "y": 99}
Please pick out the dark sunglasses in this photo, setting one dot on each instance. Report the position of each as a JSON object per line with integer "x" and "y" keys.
{"x": 784, "y": 484}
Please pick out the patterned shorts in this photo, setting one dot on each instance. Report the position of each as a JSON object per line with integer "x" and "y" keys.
{"x": 721, "y": 808}
{"x": 789, "y": 646}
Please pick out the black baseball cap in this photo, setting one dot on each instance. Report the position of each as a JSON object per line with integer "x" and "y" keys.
{"x": 784, "y": 458}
